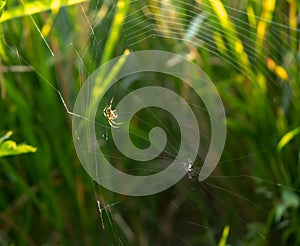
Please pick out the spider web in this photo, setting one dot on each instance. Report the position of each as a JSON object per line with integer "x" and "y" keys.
{"x": 184, "y": 26}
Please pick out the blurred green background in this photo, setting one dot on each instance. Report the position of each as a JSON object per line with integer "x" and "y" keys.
{"x": 249, "y": 49}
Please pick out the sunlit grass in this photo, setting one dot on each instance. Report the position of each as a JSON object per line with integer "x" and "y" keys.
{"x": 250, "y": 52}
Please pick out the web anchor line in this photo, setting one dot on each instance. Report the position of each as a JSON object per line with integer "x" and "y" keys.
{"x": 101, "y": 209}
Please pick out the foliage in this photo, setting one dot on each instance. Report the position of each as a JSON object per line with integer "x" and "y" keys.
{"x": 2, "y": 5}
{"x": 9, "y": 147}
{"x": 252, "y": 56}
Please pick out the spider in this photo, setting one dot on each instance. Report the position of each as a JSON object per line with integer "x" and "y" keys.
{"x": 111, "y": 115}
{"x": 188, "y": 168}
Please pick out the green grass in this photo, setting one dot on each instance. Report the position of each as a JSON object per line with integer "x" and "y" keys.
{"x": 252, "y": 198}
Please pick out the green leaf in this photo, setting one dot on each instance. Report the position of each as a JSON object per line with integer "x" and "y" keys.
{"x": 9, "y": 147}
{"x": 223, "y": 240}
{"x": 2, "y": 5}
{"x": 35, "y": 8}
{"x": 287, "y": 138}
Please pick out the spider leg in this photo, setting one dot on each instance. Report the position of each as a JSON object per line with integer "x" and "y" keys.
{"x": 115, "y": 124}
{"x": 111, "y": 124}
{"x": 110, "y": 103}
{"x": 105, "y": 111}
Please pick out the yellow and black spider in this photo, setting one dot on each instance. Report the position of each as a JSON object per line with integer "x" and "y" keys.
{"x": 111, "y": 115}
